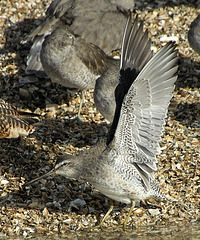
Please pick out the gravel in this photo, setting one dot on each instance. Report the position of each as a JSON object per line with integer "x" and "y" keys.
{"x": 57, "y": 205}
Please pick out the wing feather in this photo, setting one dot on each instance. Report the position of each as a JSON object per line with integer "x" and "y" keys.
{"x": 144, "y": 108}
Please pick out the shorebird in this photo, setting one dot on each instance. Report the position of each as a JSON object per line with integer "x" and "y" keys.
{"x": 72, "y": 43}
{"x": 93, "y": 20}
{"x": 122, "y": 168}
{"x": 104, "y": 92}
{"x": 194, "y": 35}
{"x": 72, "y": 62}
{"x": 14, "y": 123}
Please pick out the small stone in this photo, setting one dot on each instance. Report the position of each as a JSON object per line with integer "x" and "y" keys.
{"x": 68, "y": 220}
{"x": 24, "y": 93}
{"x": 45, "y": 212}
{"x": 154, "y": 212}
{"x": 166, "y": 38}
{"x": 176, "y": 18}
{"x": 4, "y": 182}
{"x": 77, "y": 203}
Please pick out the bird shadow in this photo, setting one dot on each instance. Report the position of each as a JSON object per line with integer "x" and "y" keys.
{"x": 185, "y": 108}
{"x": 24, "y": 159}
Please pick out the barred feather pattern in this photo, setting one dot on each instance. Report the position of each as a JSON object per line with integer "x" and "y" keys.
{"x": 141, "y": 121}
{"x": 12, "y": 124}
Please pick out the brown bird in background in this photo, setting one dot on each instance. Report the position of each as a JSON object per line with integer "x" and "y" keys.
{"x": 14, "y": 123}
{"x": 97, "y": 21}
{"x": 72, "y": 43}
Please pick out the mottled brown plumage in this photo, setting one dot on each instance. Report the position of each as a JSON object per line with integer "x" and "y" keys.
{"x": 72, "y": 43}
{"x": 93, "y": 20}
{"x": 13, "y": 122}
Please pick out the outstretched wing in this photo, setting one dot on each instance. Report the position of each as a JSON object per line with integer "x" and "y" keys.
{"x": 135, "y": 53}
{"x": 144, "y": 108}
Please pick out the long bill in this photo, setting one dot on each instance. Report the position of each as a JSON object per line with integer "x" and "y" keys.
{"x": 52, "y": 172}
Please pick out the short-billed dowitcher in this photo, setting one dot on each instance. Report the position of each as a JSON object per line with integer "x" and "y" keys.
{"x": 122, "y": 168}
{"x": 73, "y": 41}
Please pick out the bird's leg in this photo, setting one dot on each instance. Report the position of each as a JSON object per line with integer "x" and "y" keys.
{"x": 81, "y": 104}
{"x": 107, "y": 214}
{"x": 129, "y": 214}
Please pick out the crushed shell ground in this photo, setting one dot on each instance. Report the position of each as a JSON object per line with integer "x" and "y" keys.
{"x": 60, "y": 206}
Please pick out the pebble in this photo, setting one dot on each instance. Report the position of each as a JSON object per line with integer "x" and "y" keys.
{"x": 4, "y": 182}
{"x": 45, "y": 212}
{"x": 154, "y": 212}
{"x": 24, "y": 93}
{"x": 77, "y": 203}
{"x": 166, "y": 38}
{"x": 180, "y": 183}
